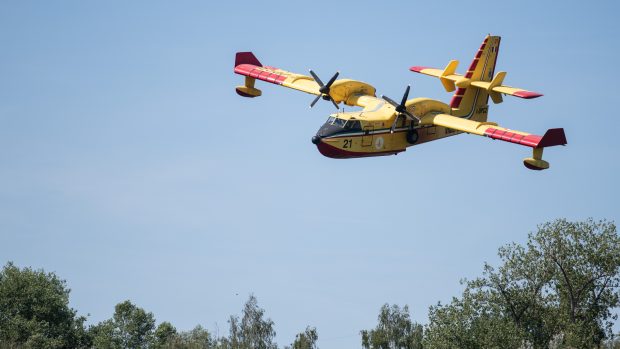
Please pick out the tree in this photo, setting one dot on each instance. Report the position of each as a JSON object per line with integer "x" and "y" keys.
{"x": 253, "y": 331}
{"x": 197, "y": 338}
{"x": 306, "y": 339}
{"x": 470, "y": 322}
{"x": 557, "y": 289}
{"x": 35, "y": 312}
{"x": 585, "y": 257}
{"x": 165, "y": 334}
{"x": 130, "y": 327}
{"x": 394, "y": 330}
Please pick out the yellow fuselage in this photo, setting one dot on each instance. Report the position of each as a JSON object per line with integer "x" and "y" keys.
{"x": 378, "y": 129}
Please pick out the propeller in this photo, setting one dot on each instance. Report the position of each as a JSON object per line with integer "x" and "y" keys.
{"x": 324, "y": 89}
{"x": 401, "y": 109}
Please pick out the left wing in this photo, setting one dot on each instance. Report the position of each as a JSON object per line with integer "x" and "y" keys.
{"x": 552, "y": 137}
{"x": 340, "y": 91}
{"x": 247, "y": 64}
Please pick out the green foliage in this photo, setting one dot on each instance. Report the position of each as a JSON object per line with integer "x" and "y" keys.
{"x": 394, "y": 330}
{"x": 164, "y": 334}
{"x": 470, "y": 322}
{"x": 35, "y": 312}
{"x": 197, "y": 338}
{"x": 306, "y": 339}
{"x": 253, "y": 331}
{"x": 130, "y": 327}
{"x": 585, "y": 257}
{"x": 556, "y": 290}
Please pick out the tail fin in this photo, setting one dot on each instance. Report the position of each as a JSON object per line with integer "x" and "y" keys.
{"x": 470, "y": 102}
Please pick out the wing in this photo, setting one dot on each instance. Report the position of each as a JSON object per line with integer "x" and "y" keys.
{"x": 248, "y": 65}
{"x": 552, "y": 137}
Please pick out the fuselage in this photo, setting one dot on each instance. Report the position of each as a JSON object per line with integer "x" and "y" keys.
{"x": 377, "y": 130}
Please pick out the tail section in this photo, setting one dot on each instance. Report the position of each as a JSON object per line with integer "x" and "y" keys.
{"x": 471, "y": 99}
{"x": 470, "y": 102}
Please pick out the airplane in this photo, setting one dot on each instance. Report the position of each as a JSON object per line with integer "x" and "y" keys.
{"x": 388, "y": 127}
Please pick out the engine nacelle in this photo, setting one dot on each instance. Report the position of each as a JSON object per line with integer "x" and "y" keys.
{"x": 422, "y": 106}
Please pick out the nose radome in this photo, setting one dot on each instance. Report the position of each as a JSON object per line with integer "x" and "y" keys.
{"x": 316, "y": 139}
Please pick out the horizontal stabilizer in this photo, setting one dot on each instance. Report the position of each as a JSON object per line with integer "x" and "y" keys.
{"x": 449, "y": 78}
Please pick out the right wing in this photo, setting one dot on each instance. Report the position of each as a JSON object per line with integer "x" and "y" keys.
{"x": 552, "y": 137}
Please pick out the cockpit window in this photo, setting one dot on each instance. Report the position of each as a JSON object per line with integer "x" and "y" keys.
{"x": 330, "y": 120}
{"x": 353, "y": 125}
{"x": 340, "y": 122}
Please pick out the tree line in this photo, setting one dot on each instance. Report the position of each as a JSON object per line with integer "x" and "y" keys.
{"x": 558, "y": 290}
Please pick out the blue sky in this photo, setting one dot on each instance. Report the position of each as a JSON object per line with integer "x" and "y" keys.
{"x": 129, "y": 166}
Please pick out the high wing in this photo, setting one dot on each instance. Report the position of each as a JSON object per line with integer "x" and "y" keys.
{"x": 450, "y": 80}
{"x": 552, "y": 137}
{"x": 343, "y": 90}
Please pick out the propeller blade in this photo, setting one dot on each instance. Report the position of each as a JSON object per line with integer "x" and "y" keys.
{"x": 334, "y": 102}
{"x": 413, "y": 117}
{"x": 315, "y": 100}
{"x": 390, "y": 100}
{"x": 316, "y": 78}
{"x": 405, "y": 96}
{"x": 331, "y": 81}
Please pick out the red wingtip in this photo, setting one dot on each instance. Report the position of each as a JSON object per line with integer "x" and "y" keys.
{"x": 418, "y": 69}
{"x": 553, "y": 136}
{"x": 527, "y": 94}
{"x": 246, "y": 58}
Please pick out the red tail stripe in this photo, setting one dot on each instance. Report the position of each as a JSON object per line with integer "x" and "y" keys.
{"x": 456, "y": 101}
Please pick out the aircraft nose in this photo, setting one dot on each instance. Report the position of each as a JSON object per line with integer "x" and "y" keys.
{"x": 316, "y": 139}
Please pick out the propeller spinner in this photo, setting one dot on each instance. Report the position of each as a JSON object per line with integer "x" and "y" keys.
{"x": 324, "y": 89}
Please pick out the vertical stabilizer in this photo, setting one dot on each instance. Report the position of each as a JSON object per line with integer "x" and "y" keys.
{"x": 469, "y": 102}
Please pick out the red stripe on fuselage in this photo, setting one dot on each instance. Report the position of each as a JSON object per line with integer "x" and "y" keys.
{"x": 336, "y": 153}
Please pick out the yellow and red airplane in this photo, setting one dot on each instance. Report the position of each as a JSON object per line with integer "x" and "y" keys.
{"x": 386, "y": 127}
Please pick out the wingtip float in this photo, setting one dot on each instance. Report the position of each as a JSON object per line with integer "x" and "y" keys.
{"x": 387, "y": 127}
